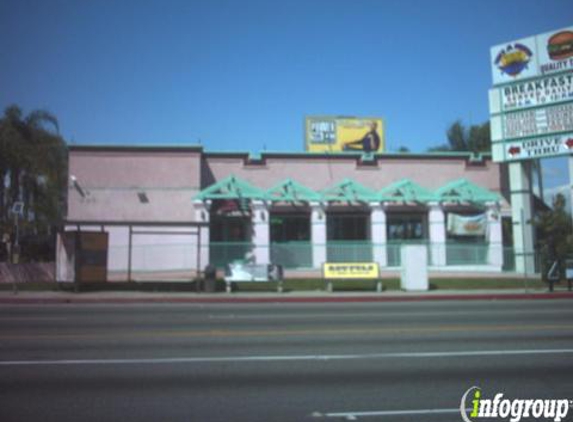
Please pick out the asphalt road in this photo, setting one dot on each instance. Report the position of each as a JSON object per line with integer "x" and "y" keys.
{"x": 279, "y": 362}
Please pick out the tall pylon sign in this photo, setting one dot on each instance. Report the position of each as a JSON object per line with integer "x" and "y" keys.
{"x": 531, "y": 116}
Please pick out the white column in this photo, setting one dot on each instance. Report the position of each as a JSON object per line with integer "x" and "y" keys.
{"x": 378, "y": 233}
{"x": 318, "y": 234}
{"x": 571, "y": 184}
{"x": 202, "y": 215}
{"x": 521, "y": 212}
{"x": 437, "y": 227}
{"x": 261, "y": 232}
{"x": 494, "y": 236}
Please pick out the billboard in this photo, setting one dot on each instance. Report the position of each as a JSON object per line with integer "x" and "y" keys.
{"x": 532, "y": 57}
{"x": 344, "y": 134}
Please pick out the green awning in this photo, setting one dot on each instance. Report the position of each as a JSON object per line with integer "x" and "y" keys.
{"x": 463, "y": 190}
{"x": 291, "y": 191}
{"x": 406, "y": 191}
{"x": 349, "y": 191}
{"x": 231, "y": 188}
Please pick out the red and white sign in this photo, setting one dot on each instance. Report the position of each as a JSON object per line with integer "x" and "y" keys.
{"x": 534, "y": 148}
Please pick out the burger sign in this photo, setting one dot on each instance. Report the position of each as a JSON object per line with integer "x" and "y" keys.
{"x": 558, "y": 52}
{"x": 532, "y": 57}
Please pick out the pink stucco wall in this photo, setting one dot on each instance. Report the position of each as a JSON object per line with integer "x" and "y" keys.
{"x": 112, "y": 180}
{"x": 320, "y": 172}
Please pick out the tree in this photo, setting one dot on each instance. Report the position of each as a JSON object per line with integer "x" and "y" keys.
{"x": 32, "y": 168}
{"x": 476, "y": 138}
{"x": 555, "y": 236}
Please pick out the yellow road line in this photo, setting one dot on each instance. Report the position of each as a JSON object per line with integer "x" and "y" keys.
{"x": 281, "y": 333}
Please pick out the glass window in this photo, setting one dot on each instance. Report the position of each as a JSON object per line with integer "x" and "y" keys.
{"x": 229, "y": 229}
{"x": 290, "y": 227}
{"x": 406, "y": 227}
{"x": 348, "y": 226}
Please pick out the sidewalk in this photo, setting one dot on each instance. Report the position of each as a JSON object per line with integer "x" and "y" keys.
{"x": 120, "y": 297}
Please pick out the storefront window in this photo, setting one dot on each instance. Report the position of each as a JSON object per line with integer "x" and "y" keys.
{"x": 230, "y": 229}
{"x": 290, "y": 227}
{"x": 406, "y": 227}
{"x": 348, "y": 226}
{"x": 230, "y": 221}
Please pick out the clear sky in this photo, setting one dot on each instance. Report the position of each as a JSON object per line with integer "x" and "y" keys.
{"x": 241, "y": 75}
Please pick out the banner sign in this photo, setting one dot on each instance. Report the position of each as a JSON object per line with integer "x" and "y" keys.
{"x": 543, "y": 121}
{"x": 339, "y": 134}
{"x": 548, "y": 146}
{"x": 544, "y": 91}
{"x": 463, "y": 225}
{"x": 532, "y": 57}
{"x": 350, "y": 270}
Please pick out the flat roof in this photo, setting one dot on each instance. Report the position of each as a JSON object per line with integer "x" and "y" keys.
{"x": 260, "y": 156}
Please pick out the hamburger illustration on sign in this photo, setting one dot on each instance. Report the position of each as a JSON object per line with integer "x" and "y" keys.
{"x": 513, "y": 59}
{"x": 560, "y": 45}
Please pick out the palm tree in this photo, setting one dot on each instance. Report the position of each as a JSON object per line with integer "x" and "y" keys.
{"x": 32, "y": 166}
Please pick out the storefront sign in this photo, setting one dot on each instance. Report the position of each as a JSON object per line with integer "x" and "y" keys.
{"x": 532, "y": 57}
{"x": 548, "y": 146}
{"x": 463, "y": 225}
{"x": 350, "y": 270}
{"x": 544, "y": 91}
{"x": 339, "y": 134}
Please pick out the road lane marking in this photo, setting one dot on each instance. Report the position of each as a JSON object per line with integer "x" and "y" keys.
{"x": 382, "y": 314}
{"x": 352, "y": 416}
{"x": 32, "y": 318}
{"x": 287, "y": 358}
{"x": 222, "y": 333}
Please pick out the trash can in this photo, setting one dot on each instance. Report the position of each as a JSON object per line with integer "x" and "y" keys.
{"x": 209, "y": 278}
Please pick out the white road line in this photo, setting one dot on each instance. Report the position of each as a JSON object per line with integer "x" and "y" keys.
{"x": 238, "y": 359}
{"x": 32, "y": 318}
{"x": 355, "y": 415}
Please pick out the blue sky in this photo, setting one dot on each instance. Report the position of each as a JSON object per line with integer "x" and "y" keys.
{"x": 241, "y": 75}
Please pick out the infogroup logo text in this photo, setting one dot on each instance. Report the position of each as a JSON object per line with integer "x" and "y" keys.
{"x": 511, "y": 409}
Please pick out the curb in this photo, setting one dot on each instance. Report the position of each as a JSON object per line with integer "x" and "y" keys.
{"x": 277, "y": 299}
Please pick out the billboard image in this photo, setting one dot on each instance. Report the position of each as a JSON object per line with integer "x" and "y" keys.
{"x": 344, "y": 134}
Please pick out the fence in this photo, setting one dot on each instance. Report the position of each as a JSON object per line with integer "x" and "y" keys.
{"x": 291, "y": 255}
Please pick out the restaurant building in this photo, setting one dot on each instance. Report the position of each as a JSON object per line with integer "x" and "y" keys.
{"x": 166, "y": 212}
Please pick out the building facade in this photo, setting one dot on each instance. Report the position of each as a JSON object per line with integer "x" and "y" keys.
{"x": 167, "y": 212}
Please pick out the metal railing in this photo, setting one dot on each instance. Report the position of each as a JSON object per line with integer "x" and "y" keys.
{"x": 222, "y": 253}
{"x": 349, "y": 251}
{"x": 292, "y": 255}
